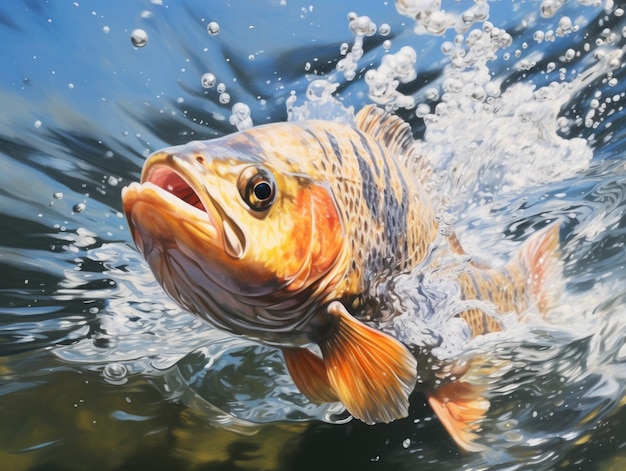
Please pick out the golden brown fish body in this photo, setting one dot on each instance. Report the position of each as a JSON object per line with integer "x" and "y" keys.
{"x": 284, "y": 232}
{"x": 340, "y": 215}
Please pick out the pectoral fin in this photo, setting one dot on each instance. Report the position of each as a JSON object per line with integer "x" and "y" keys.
{"x": 460, "y": 406}
{"x": 309, "y": 374}
{"x": 371, "y": 372}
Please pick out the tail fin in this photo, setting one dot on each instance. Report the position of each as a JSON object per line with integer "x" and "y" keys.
{"x": 540, "y": 257}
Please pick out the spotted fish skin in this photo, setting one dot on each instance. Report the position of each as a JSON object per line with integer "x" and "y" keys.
{"x": 388, "y": 219}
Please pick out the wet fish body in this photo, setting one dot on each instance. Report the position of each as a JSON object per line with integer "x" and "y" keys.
{"x": 287, "y": 232}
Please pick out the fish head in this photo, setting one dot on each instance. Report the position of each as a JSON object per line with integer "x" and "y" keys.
{"x": 241, "y": 239}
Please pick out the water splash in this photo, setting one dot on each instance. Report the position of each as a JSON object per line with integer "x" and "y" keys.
{"x": 319, "y": 103}
{"x": 360, "y": 26}
{"x": 383, "y": 82}
{"x": 430, "y": 18}
{"x": 240, "y": 117}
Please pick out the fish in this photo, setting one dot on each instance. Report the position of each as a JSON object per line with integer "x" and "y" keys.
{"x": 285, "y": 233}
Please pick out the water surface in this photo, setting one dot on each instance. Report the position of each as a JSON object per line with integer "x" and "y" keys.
{"x": 519, "y": 111}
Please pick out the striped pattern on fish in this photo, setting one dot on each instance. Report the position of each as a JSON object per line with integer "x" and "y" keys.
{"x": 288, "y": 232}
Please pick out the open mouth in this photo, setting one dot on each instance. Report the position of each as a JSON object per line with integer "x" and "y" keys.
{"x": 170, "y": 181}
{"x": 214, "y": 220}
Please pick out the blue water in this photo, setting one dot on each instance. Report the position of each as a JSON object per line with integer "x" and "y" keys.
{"x": 100, "y": 370}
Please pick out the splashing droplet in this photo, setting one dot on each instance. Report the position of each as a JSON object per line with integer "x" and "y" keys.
{"x": 213, "y": 28}
{"x": 79, "y": 207}
{"x": 139, "y": 38}
{"x": 240, "y": 116}
{"x": 208, "y": 80}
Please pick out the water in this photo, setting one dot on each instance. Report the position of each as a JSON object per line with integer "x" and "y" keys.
{"x": 519, "y": 109}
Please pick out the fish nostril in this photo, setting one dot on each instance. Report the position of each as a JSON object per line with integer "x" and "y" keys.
{"x": 200, "y": 159}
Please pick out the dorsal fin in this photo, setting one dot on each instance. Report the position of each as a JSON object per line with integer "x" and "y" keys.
{"x": 395, "y": 134}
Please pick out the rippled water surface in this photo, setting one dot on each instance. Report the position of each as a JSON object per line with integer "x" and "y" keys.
{"x": 518, "y": 107}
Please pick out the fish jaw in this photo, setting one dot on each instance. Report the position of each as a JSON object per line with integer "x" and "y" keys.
{"x": 156, "y": 216}
{"x": 185, "y": 185}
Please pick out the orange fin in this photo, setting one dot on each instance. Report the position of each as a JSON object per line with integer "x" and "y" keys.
{"x": 371, "y": 372}
{"x": 541, "y": 258}
{"x": 460, "y": 406}
{"x": 309, "y": 374}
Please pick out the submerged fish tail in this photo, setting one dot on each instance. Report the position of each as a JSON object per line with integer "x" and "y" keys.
{"x": 540, "y": 258}
{"x": 531, "y": 278}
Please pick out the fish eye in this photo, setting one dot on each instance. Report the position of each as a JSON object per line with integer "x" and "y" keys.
{"x": 257, "y": 188}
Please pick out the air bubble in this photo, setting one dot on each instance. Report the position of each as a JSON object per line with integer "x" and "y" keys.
{"x": 550, "y": 7}
{"x": 58, "y": 195}
{"x": 432, "y": 94}
{"x": 565, "y": 26}
{"x": 362, "y": 26}
{"x": 422, "y": 110}
{"x": 139, "y": 38}
{"x": 208, "y": 80}
{"x": 384, "y": 29}
{"x": 79, "y": 207}
{"x": 224, "y": 98}
{"x": 240, "y": 117}
{"x": 213, "y": 28}
{"x": 221, "y": 87}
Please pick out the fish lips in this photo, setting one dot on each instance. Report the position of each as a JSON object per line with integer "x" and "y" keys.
{"x": 172, "y": 204}
{"x": 156, "y": 217}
